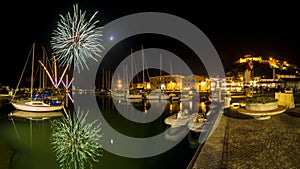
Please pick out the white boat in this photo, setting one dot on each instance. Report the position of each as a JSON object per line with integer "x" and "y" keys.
{"x": 35, "y": 116}
{"x": 118, "y": 94}
{"x": 174, "y": 97}
{"x": 196, "y": 123}
{"x": 165, "y": 97}
{"x": 185, "y": 98}
{"x": 134, "y": 96}
{"x": 157, "y": 95}
{"x": 179, "y": 119}
{"x": 36, "y": 104}
{"x": 153, "y": 95}
{"x": 176, "y": 133}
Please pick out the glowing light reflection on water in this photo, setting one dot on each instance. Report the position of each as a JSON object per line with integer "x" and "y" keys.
{"x": 33, "y": 148}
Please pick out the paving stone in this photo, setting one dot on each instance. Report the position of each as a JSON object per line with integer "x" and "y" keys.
{"x": 242, "y": 142}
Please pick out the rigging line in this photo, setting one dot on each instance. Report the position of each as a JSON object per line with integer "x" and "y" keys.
{"x": 146, "y": 67}
{"x": 32, "y": 71}
{"x": 46, "y": 61}
{"x": 135, "y": 70}
{"x": 22, "y": 73}
{"x": 43, "y": 72}
{"x": 160, "y": 64}
{"x": 35, "y": 75}
{"x": 131, "y": 63}
{"x": 143, "y": 62}
{"x": 126, "y": 76}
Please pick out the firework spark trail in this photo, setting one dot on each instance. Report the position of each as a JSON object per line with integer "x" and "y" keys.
{"x": 77, "y": 39}
{"x": 75, "y": 143}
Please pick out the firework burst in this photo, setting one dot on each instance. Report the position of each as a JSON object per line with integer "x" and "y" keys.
{"x": 75, "y": 143}
{"x": 76, "y": 39}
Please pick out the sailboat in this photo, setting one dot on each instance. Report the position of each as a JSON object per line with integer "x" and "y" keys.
{"x": 39, "y": 102}
{"x": 136, "y": 94}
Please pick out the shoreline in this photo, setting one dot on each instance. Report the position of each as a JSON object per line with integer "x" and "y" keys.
{"x": 240, "y": 141}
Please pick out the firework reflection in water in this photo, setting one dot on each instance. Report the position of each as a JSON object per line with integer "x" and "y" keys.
{"x": 75, "y": 143}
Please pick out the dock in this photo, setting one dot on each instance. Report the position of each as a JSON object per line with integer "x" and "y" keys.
{"x": 240, "y": 141}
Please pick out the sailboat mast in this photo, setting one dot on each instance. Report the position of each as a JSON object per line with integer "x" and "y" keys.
{"x": 160, "y": 64}
{"x": 127, "y": 78}
{"x": 55, "y": 70}
{"x": 171, "y": 69}
{"x": 124, "y": 75}
{"x": 108, "y": 79}
{"x": 102, "y": 79}
{"x": 143, "y": 65}
{"x": 43, "y": 73}
{"x": 32, "y": 69}
{"x": 131, "y": 59}
{"x": 40, "y": 78}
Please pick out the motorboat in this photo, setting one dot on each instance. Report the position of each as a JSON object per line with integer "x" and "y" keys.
{"x": 196, "y": 123}
{"x": 179, "y": 119}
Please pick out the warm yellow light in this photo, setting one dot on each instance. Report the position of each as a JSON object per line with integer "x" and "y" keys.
{"x": 148, "y": 86}
{"x": 162, "y": 87}
{"x": 203, "y": 106}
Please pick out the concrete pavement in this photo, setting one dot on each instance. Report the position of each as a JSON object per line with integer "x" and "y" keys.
{"x": 243, "y": 142}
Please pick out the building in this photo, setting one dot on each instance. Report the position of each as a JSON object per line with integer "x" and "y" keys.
{"x": 199, "y": 83}
{"x": 292, "y": 83}
{"x": 269, "y": 73}
{"x": 234, "y": 85}
{"x": 180, "y": 83}
{"x": 249, "y": 58}
{"x": 166, "y": 82}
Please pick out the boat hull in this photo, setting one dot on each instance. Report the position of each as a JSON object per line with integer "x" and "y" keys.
{"x": 196, "y": 123}
{"x": 173, "y": 121}
{"x": 33, "y": 108}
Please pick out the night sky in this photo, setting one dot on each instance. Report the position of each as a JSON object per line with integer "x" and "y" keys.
{"x": 234, "y": 31}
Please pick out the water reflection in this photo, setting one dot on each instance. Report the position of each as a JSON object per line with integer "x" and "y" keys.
{"x": 30, "y": 138}
{"x": 74, "y": 142}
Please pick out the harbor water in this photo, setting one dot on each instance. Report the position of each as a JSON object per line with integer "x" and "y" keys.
{"x": 29, "y": 142}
